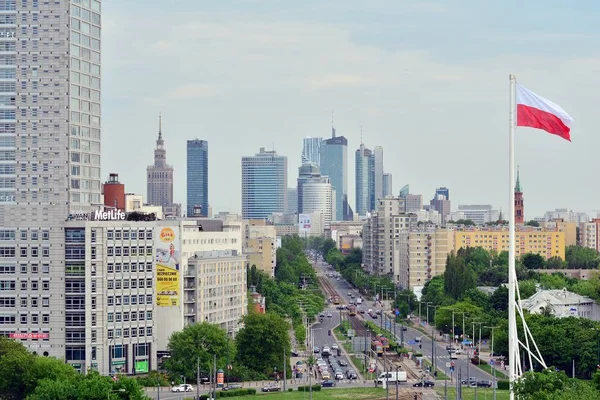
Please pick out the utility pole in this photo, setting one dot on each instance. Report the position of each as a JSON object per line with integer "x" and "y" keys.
{"x": 214, "y": 376}
{"x": 198, "y": 377}
{"x": 284, "y": 369}
{"x": 492, "y": 356}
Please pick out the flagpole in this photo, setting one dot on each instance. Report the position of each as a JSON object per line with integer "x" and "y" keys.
{"x": 512, "y": 320}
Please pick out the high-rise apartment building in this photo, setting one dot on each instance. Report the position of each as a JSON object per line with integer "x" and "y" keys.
{"x": 334, "y": 162}
{"x": 311, "y": 150}
{"x": 49, "y": 162}
{"x": 378, "y": 173}
{"x": 264, "y": 184}
{"x": 589, "y": 234}
{"x": 197, "y": 176}
{"x": 364, "y": 185}
{"x": 160, "y": 174}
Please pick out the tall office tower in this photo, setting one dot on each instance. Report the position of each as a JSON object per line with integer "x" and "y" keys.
{"x": 441, "y": 203}
{"x": 364, "y": 177}
{"x": 50, "y": 146}
{"x": 264, "y": 184}
{"x": 305, "y": 172}
{"x": 387, "y": 184}
{"x": 292, "y": 201}
{"x": 378, "y": 172}
{"x": 444, "y": 191}
{"x": 317, "y": 198}
{"x": 311, "y": 150}
{"x": 404, "y": 191}
{"x": 160, "y": 174}
{"x": 334, "y": 161}
{"x": 197, "y": 176}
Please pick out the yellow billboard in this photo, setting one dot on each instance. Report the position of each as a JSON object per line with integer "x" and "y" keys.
{"x": 167, "y": 268}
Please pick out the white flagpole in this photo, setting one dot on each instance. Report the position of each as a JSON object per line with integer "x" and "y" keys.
{"x": 513, "y": 343}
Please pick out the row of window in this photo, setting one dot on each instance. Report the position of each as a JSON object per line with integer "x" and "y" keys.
{"x": 129, "y": 316}
{"x": 129, "y": 267}
{"x": 34, "y": 319}
{"x": 127, "y": 283}
{"x": 129, "y": 234}
{"x": 125, "y": 333}
{"x": 11, "y": 302}
{"x": 126, "y": 300}
{"x": 35, "y": 252}
{"x": 129, "y": 251}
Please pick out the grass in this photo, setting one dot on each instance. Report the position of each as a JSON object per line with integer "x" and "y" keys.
{"x": 469, "y": 393}
{"x": 327, "y": 394}
{"x": 440, "y": 374}
{"x": 487, "y": 368}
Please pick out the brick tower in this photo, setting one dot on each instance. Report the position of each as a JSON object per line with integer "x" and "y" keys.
{"x": 519, "y": 206}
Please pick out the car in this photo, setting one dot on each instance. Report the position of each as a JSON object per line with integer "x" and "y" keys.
{"x": 322, "y": 315}
{"x": 329, "y": 315}
{"x": 342, "y": 362}
{"x": 271, "y": 388}
{"x": 328, "y": 383}
{"x": 294, "y": 354}
{"x": 184, "y": 387}
{"x": 425, "y": 383}
{"x": 316, "y": 350}
{"x": 232, "y": 386}
{"x": 404, "y": 328}
{"x": 360, "y": 310}
{"x": 351, "y": 374}
{"x": 335, "y": 346}
{"x": 469, "y": 381}
{"x": 485, "y": 383}
{"x": 339, "y": 375}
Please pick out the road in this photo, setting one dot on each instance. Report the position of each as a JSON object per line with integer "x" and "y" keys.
{"x": 462, "y": 364}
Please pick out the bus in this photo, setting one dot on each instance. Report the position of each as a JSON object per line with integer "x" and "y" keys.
{"x": 352, "y": 310}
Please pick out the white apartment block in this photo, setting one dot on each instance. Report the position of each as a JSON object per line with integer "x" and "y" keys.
{"x": 589, "y": 234}
{"x": 188, "y": 238}
{"x": 381, "y": 237}
{"x": 214, "y": 289}
{"x": 49, "y": 165}
{"x": 566, "y": 215}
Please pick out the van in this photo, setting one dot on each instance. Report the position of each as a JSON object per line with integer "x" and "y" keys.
{"x": 392, "y": 376}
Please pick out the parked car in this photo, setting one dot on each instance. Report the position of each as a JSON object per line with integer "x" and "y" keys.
{"x": 404, "y": 328}
{"x": 271, "y": 388}
{"x": 328, "y": 383}
{"x": 424, "y": 384}
{"x": 184, "y": 387}
{"x": 232, "y": 386}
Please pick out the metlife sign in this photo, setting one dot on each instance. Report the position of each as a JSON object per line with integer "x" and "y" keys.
{"x": 98, "y": 215}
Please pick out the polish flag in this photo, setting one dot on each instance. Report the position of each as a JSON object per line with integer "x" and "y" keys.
{"x": 537, "y": 112}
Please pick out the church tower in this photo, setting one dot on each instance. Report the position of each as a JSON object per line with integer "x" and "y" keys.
{"x": 519, "y": 206}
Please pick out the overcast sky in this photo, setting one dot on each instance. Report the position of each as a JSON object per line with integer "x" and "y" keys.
{"x": 428, "y": 81}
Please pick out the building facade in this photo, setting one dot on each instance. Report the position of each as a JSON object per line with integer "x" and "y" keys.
{"x": 264, "y": 184}
{"x": 589, "y": 234}
{"x": 197, "y": 176}
{"x": 50, "y": 147}
{"x": 260, "y": 245}
{"x": 478, "y": 213}
{"x": 334, "y": 164}
{"x": 388, "y": 189}
{"x": 160, "y": 175}
{"x": 292, "y": 201}
{"x": 378, "y": 173}
{"x": 548, "y": 244}
{"x": 441, "y": 203}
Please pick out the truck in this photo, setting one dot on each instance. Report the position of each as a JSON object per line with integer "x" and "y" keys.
{"x": 392, "y": 376}
{"x": 358, "y": 300}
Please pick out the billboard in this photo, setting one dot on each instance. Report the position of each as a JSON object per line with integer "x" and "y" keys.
{"x": 303, "y": 224}
{"x": 167, "y": 256}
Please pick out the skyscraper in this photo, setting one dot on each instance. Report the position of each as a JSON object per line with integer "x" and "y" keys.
{"x": 334, "y": 161}
{"x": 387, "y": 184}
{"x": 364, "y": 176}
{"x": 52, "y": 149}
{"x": 441, "y": 203}
{"x": 264, "y": 184}
{"x": 311, "y": 150}
{"x": 378, "y": 172}
{"x": 197, "y": 176}
{"x": 160, "y": 174}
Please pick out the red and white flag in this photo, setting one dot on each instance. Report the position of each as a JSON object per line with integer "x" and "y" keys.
{"x": 537, "y": 112}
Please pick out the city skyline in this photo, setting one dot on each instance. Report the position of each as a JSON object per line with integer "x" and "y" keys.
{"x": 410, "y": 95}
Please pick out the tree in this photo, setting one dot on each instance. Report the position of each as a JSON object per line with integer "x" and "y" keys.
{"x": 433, "y": 292}
{"x": 477, "y": 298}
{"x": 527, "y": 289}
{"x": 261, "y": 342}
{"x": 581, "y": 257}
{"x": 551, "y": 385}
{"x": 499, "y": 299}
{"x": 532, "y": 223}
{"x": 533, "y": 261}
{"x": 458, "y": 277}
{"x": 327, "y": 246}
{"x": 555, "y": 263}
{"x": 464, "y": 222}
{"x": 198, "y": 341}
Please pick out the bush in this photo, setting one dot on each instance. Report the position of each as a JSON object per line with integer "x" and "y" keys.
{"x": 152, "y": 379}
{"x": 236, "y": 393}
{"x": 503, "y": 385}
{"x": 315, "y": 388}
{"x": 290, "y": 390}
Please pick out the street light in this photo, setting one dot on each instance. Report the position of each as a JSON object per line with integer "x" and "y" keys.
{"x": 492, "y": 356}
{"x": 453, "y": 325}
{"x": 427, "y": 304}
{"x": 433, "y": 357}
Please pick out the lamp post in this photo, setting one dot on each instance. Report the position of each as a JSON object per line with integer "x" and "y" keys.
{"x": 401, "y": 320}
{"x": 491, "y": 357}
{"x": 454, "y": 326}
{"x": 427, "y": 303}
{"x": 433, "y": 357}
{"x": 478, "y": 347}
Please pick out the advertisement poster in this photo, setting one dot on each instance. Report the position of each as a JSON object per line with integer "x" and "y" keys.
{"x": 303, "y": 224}
{"x": 167, "y": 268}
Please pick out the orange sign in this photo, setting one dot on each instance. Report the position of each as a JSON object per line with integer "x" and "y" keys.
{"x": 167, "y": 235}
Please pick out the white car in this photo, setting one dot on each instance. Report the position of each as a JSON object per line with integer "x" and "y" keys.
{"x": 335, "y": 346}
{"x": 182, "y": 388}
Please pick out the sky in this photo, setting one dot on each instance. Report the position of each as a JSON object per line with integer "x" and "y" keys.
{"x": 426, "y": 80}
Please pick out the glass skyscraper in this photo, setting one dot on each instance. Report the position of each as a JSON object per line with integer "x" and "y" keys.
{"x": 264, "y": 184}
{"x": 197, "y": 176}
{"x": 334, "y": 161}
{"x": 364, "y": 185}
{"x": 311, "y": 150}
{"x": 49, "y": 167}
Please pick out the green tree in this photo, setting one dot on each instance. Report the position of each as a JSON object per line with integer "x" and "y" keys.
{"x": 328, "y": 244}
{"x": 458, "y": 277}
{"x": 465, "y": 222}
{"x": 532, "y": 223}
{"x": 581, "y": 257}
{"x": 198, "y": 341}
{"x": 477, "y": 298}
{"x": 533, "y": 261}
{"x": 15, "y": 363}
{"x": 47, "y": 368}
{"x": 261, "y": 342}
{"x": 555, "y": 263}
{"x": 499, "y": 299}
{"x": 551, "y": 385}
{"x": 433, "y": 292}
{"x": 527, "y": 289}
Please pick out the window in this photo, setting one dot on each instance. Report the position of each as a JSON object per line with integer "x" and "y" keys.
{"x": 110, "y": 317}
{"x": 45, "y": 285}
{"x": 45, "y": 319}
{"x": 45, "y": 302}
{"x": 110, "y": 268}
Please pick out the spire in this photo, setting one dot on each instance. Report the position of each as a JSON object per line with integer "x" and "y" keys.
{"x": 361, "y": 142}
{"x": 518, "y": 185}
{"x": 332, "y": 127}
{"x": 159, "y": 126}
